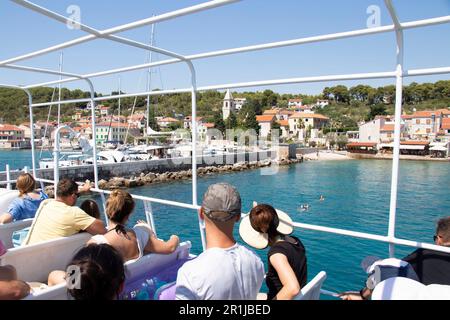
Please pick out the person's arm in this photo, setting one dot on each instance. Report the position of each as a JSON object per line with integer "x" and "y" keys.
{"x": 363, "y": 294}
{"x": 291, "y": 287}
{"x": 96, "y": 227}
{"x": 155, "y": 245}
{"x": 85, "y": 188}
{"x": 6, "y": 218}
{"x": 13, "y": 290}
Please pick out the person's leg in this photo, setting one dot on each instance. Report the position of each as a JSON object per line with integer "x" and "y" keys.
{"x": 56, "y": 277}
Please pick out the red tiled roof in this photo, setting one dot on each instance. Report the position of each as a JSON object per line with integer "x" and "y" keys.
{"x": 295, "y": 100}
{"x": 309, "y": 115}
{"x": 270, "y": 112}
{"x": 388, "y": 127}
{"x": 415, "y": 143}
{"x": 362, "y": 144}
{"x": 169, "y": 119}
{"x": 9, "y": 127}
{"x": 209, "y": 125}
{"x": 265, "y": 118}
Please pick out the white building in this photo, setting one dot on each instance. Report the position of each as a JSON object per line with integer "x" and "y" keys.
{"x": 301, "y": 122}
{"x": 322, "y": 103}
{"x": 114, "y": 132}
{"x": 265, "y": 124}
{"x": 292, "y": 103}
{"x": 239, "y": 103}
{"x": 228, "y": 105}
{"x": 187, "y": 122}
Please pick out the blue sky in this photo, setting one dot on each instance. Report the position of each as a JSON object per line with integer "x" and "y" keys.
{"x": 243, "y": 23}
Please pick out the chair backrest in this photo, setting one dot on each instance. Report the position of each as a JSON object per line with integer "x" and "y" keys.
{"x": 6, "y": 197}
{"x": 7, "y": 230}
{"x": 34, "y": 262}
{"x": 166, "y": 292}
{"x": 312, "y": 289}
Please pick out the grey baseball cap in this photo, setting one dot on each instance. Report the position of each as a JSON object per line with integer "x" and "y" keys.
{"x": 221, "y": 202}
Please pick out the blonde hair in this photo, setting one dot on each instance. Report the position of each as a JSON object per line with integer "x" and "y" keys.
{"x": 25, "y": 184}
{"x": 119, "y": 205}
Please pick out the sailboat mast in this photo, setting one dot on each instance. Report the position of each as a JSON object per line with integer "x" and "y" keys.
{"x": 120, "y": 89}
{"x": 59, "y": 86}
{"x": 149, "y": 77}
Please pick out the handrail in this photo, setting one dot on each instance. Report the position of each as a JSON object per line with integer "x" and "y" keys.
{"x": 373, "y": 75}
{"x": 397, "y": 122}
{"x": 122, "y": 28}
{"x": 272, "y": 45}
{"x": 30, "y": 103}
{"x": 91, "y": 100}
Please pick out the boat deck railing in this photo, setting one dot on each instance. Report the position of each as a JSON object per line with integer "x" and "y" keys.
{"x": 109, "y": 34}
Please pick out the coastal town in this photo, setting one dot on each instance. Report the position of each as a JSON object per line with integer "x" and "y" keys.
{"x": 424, "y": 133}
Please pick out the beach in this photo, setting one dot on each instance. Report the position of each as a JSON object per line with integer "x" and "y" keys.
{"x": 326, "y": 156}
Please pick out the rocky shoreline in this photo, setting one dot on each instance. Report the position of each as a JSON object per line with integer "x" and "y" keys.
{"x": 147, "y": 178}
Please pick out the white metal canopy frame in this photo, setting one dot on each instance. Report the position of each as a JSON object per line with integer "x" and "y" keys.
{"x": 398, "y": 74}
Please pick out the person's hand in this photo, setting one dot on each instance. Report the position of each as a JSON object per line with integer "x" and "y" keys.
{"x": 175, "y": 238}
{"x": 350, "y": 295}
{"x": 86, "y": 187}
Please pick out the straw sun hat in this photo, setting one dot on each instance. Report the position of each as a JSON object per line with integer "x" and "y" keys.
{"x": 260, "y": 240}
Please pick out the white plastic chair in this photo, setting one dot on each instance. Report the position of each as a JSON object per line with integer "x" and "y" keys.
{"x": 312, "y": 289}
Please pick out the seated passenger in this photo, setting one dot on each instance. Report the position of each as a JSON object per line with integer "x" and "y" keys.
{"x": 101, "y": 273}
{"x": 60, "y": 218}
{"x": 430, "y": 267}
{"x": 226, "y": 270}
{"x": 26, "y": 205}
{"x": 287, "y": 273}
{"x": 91, "y": 208}
{"x": 10, "y": 287}
{"x": 131, "y": 243}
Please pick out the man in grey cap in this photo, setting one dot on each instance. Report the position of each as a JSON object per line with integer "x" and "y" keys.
{"x": 225, "y": 270}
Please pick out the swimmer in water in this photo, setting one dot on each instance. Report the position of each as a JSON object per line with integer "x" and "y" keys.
{"x": 321, "y": 198}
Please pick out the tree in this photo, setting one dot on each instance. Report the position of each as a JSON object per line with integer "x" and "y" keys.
{"x": 231, "y": 122}
{"x": 375, "y": 110}
{"x": 219, "y": 124}
{"x": 250, "y": 122}
{"x": 342, "y": 141}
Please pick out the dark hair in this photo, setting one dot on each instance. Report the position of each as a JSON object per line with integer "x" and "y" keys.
{"x": 119, "y": 205}
{"x": 91, "y": 208}
{"x": 443, "y": 229}
{"x": 66, "y": 187}
{"x": 264, "y": 218}
{"x": 101, "y": 273}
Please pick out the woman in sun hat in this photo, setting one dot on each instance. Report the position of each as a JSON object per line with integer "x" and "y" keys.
{"x": 265, "y": 226}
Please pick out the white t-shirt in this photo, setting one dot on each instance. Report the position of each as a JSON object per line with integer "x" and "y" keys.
{"x": 235, "y": 273}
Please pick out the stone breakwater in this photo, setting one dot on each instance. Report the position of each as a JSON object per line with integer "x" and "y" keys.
{"x": 146, "y": 178}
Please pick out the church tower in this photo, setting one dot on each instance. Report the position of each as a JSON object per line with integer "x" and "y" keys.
{"x": 228, "y": 105}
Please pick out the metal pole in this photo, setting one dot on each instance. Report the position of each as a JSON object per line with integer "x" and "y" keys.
{"x": 120, "y": 91}
{"x": 8, "y": 177}
{"x": 397, "y": 127}
{"x": 149, "y": 79}
{"x": 59, "y": 87}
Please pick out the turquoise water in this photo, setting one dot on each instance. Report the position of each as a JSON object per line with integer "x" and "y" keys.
{"x": 356, "y": 198}
{"x": 18, "y": 159}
